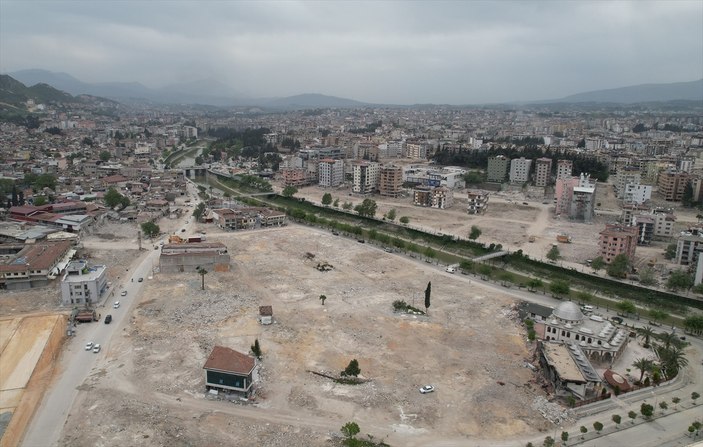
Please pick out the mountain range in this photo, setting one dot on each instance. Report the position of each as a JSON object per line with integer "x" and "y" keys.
{"x": 212, "y": 92}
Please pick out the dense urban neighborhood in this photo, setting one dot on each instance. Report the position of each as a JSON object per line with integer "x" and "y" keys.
{"x": 422, "y": 275}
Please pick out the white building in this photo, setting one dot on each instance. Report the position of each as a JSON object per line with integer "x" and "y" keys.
{"x": 520, "y": 170}
{"x": 365, "y": 177}
{"x": 82, "y": 284}
{"x": 330, "y": 173}
{"x": 637, "y": 194}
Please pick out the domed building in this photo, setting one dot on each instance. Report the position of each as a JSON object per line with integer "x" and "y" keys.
{"x": 572, "y": 342}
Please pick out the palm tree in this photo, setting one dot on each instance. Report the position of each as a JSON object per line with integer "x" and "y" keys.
{"x": 202, "y": 272}
{"x": 645, "y": 333}
{"x": 669, "y": 339}
{"x": 672, "y": 360}
{"x": 643, "y": 365}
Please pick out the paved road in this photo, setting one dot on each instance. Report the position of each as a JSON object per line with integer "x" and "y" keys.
{"x": 75, "y": 363}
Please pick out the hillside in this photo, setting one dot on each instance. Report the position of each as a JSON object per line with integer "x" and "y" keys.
{"x": 690, "y": 91}
{"x": 14, "y": 94}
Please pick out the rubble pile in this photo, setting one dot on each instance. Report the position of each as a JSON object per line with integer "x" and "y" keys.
{"x": 552, "y": 412}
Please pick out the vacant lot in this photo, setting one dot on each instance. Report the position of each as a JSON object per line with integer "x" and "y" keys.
{"x": 469, "y": 348}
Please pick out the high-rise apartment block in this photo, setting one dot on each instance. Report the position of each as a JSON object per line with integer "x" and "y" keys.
{"x": 365, "y": 175}
{"x": 617, "y": 239}
{"x": 330, "y": 172}
{"x": 672, "y": 184}
{"x": 520, "y": 170}
{"x": 543, "y": 171}
{"x": 478, "y": 202}
{"x": 497, "y": 168}
{"x": 390, "y": 182}
{"x": 564, "y": 168}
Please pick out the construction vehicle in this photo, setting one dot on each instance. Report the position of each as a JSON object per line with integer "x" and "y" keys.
{"x": 84, "y": 315}
{"x": 564, "y": 238}
{"x": 175, "y": 239}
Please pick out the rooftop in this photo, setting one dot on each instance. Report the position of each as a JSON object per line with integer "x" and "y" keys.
{"x": 229, "y": 360}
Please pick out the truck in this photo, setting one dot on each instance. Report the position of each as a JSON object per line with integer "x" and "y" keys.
{"x": 564, "y": 238}
{"x": 195, "y": 239}
{"x": 84, "y": 316}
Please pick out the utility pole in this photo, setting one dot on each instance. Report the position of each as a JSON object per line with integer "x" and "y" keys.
{"x": 139, "y": 239}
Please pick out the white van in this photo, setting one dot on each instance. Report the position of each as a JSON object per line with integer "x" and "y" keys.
{"x": 451, "y": 270}
{"x": 586, "y": 308}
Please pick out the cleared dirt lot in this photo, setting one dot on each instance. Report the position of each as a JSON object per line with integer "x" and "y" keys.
{"x": 28, "y": 348}
{"x": 150, "y": 389}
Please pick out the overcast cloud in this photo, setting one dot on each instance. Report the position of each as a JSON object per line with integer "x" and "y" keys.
{"x": 381, "y": 52}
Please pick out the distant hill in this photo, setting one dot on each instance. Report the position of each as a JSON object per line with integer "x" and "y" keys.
{"x": 206, "y": 91}
{"x": 690, "y": 91}
{"x": 15, "y": 94}
{"x": 312, "y": 100}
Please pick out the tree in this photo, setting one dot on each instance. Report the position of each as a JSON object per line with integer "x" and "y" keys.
{"x": 583, "y": 431}
{"x": 553, "y": 253}
{"x": 647, "y": 277}
{"x": 202, "y": 272}
{"x": 645, "y": 334}
{"x": 475, "y": 232}
{"x": 352, "y": 369}
{"x": 390, "y": 215}
{"x": 598, "y": 263}
{"x": 647, "y": 410}
{"x": 632, "y": 415}
{"x": 670, "y": 252}
{"x": 626, "y": 306}
{"x": 366, "y": 208}
{"x": 564, "y": 436}
{"x": 150, "y": 229}
{"x": 112, "y": 198}
{"x": 336, "y": 203}
{"x": 559, "y": 287}
{"x": 618, "y": 266}
{"x": 535, "y": 283}
{"x": 597, "y": 426}
{"x": 40, "y": 200}
{"x": 289, "y": 191}
{"x": 687, "y": 197}
{"x": 199, "y": 211}
{"x": 323, "y": 298}
{"x": 663, "y": 405}
{"x": 404, "y": 219}
{"x": 327, "y": 199}
{"x": 474, "y": 177}
{"x": 256, "y": 349}
{"x": 105, "y": 156}
{"x": 430, "y": 252}
{"x": 680, "y": 279}
{"x": 617, "y": 419}
{"x": 643, "y": 365}
{"x": 548, "y": 442}
{"x": 694, "y": 397}
{"x": 347, "y": 206}
{"x": 350, "y": 429}
{"x": 675, "y": 400}
{"x": 428, "y": 291}
{"x": 658, "y": 315}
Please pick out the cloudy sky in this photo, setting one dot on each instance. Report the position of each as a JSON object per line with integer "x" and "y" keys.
{"x": 384, "y": 52}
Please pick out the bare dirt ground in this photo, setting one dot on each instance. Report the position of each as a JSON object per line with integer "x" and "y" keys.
{"x": 469, "y": 348}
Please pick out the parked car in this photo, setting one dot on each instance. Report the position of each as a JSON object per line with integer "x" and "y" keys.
{"x": 617, "y": 320}
{"x": 116, "y": 305}
{"x": 124, "y": 293}
{"x": 140, "y": 279}
{"x": 96, "y": 348}
{"x": 361, "y": 241}
{"x": 89, "y": 346}
{"x": 426, "y": 389}
{"x": 108, "y": 319}
{"x": 451, "y": 270}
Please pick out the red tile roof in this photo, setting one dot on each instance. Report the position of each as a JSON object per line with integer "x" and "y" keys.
{"x": 229, "y": 360}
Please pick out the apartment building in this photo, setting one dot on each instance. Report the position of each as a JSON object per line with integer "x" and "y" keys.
{"x": 627, "y": 175}
{"x": 330, "y": 173}
{"x": 478, "y": 202}
{"x": 520, "y": 170}
{"x": 294, "y": 177}
{"x": 390, "y": 182}
{"x": 645, "y": 229}
{"x": 433, "y": 197}
{"x": 672, "y": 184}
{"x": 576, "y": 198}
{"x": 689, "y": 244}
{"x": 543, "y": 171}
{"x": 365, "y": 177}
{"x": 617, "y": 239}
{"x": 636, "y": 194}
{"x": 82, "y": 284}
{"x": 416, "y": 149}
{"x": 212, "y": 256}
{"x": 497, "y": 168}
{"x": 565, "y": 169}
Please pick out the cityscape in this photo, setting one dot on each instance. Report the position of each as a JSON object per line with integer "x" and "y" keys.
{"x": 212, "y": 259}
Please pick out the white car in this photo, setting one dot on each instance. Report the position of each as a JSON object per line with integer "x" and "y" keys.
{"x": 116, "y": 305}
{"x": 426, "y": 389}
{"x": 96, "y": 348}
{"x": 451, "y": 270}
{"x": 89, "y": 346}
{"x": 124, "y": 293}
